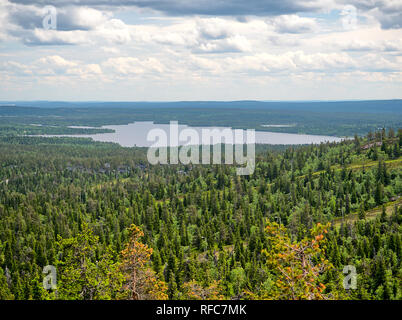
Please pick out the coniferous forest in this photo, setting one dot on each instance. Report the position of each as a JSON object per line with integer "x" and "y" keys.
{"x": 116, "y": 227}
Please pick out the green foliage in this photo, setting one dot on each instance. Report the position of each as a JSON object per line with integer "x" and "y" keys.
{"x": 71, "y": 203}
{"x": 297, "y": 266}
{"x": 5, "y": 293}
{"x": 85, "y": 270}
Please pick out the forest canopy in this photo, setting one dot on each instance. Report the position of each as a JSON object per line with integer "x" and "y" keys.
{"x": 116, "y": 227}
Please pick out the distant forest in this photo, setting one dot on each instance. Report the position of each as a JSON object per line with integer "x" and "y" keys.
{"x": 322, "y": 118}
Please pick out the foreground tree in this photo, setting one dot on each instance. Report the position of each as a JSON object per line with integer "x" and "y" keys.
{"x": 140, "y": 281}
{"x": 296, "y": 266}
{"x": 83, "y": 273}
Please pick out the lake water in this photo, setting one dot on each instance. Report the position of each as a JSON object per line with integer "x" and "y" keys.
{"x": 135, "y": 134}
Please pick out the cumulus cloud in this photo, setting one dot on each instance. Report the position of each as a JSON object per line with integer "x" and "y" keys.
{"x": 39, "y": 37}
{"x": 80, "y": 18}
{"x": 231, "y": 44}
{"x": 390, "y": 21}
{"x": 57, "y": 65}
{"x": 217, "y": 35}
{"x": 385, "y": 46}
{"x": 112, "y": 31}
{"x": 358, "y": 46}
{"x": 133, "y": 66}
{"x": 387, "y": 12}
{"x": 207, "y": 35}
{"x": 293, "y": 61}
{"x": 3, "y": 21}
{"x": 294, "y": 24}
{"x": 231, "y": 41}
{"x": 75, "y": 25}
{"x": 52, "y": 66}
{"x": 15, "y": 68}
{"x": 214, "y": 28}
{"x": 300, "y": 62}
{"x": 56, "y": 62}
{"x": 68, "y": 18}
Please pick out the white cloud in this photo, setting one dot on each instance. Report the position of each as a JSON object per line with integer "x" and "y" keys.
{"x": 214, "y": 28}
{"x": 387, "y": 12}
{"x": 56, "y": 61}
{"x": 114, "y": 31}
{"x": 299, "y": 62}
{"x": 290, "y": 62}
{"x": 133, "y": 66}
{"x": 15, "y": 68}
{"x": 54, "y": 37}
{"x": 52, "y": 67}
{"x": 232, "y": 44}
{"x": 81, "y": 18}
{"x": 29, "y": 17}
{"x": 294, "y": 24}
{"x": 3, "y": 20}
{"x": 59, "y": 66}
{"x": 106, "y": 44}
{"x": 385, "y": 45}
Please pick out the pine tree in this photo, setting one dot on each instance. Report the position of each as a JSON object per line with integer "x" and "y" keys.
{"x": 378, "y": 196}
{"x": 84, "y": 274}
{"x": 140, "y": 282}
{"x": 362, "y": 214}
{"x": 5, "y": 293}
{"x": 383, "y": 214}
{"x": 297, "y": 266}
{"x": 172, "y": 287}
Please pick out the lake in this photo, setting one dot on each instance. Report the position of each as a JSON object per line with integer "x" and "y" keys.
{"x": 135, "y": 134}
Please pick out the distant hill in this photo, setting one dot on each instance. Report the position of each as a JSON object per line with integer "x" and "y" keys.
{"x": 370, "y": 106}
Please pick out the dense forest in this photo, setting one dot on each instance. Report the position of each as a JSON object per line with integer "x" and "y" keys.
{"x": 115, "y": 227}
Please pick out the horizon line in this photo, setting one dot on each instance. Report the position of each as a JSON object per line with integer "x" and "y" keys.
{"x": 185, "y": 101}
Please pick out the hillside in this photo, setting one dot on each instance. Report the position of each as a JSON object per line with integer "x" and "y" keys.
{"x": 200, "y": 231}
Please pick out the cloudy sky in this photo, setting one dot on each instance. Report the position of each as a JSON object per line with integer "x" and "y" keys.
{"x": 170, "y": 50}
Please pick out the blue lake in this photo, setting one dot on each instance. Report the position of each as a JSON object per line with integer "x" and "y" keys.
{"x": 135, "y": 134}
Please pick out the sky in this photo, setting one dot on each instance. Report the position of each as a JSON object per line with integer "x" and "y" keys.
{"x": 175, "y": 50}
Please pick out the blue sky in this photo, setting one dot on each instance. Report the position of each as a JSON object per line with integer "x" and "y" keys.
{"x": 167, "y": 50}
